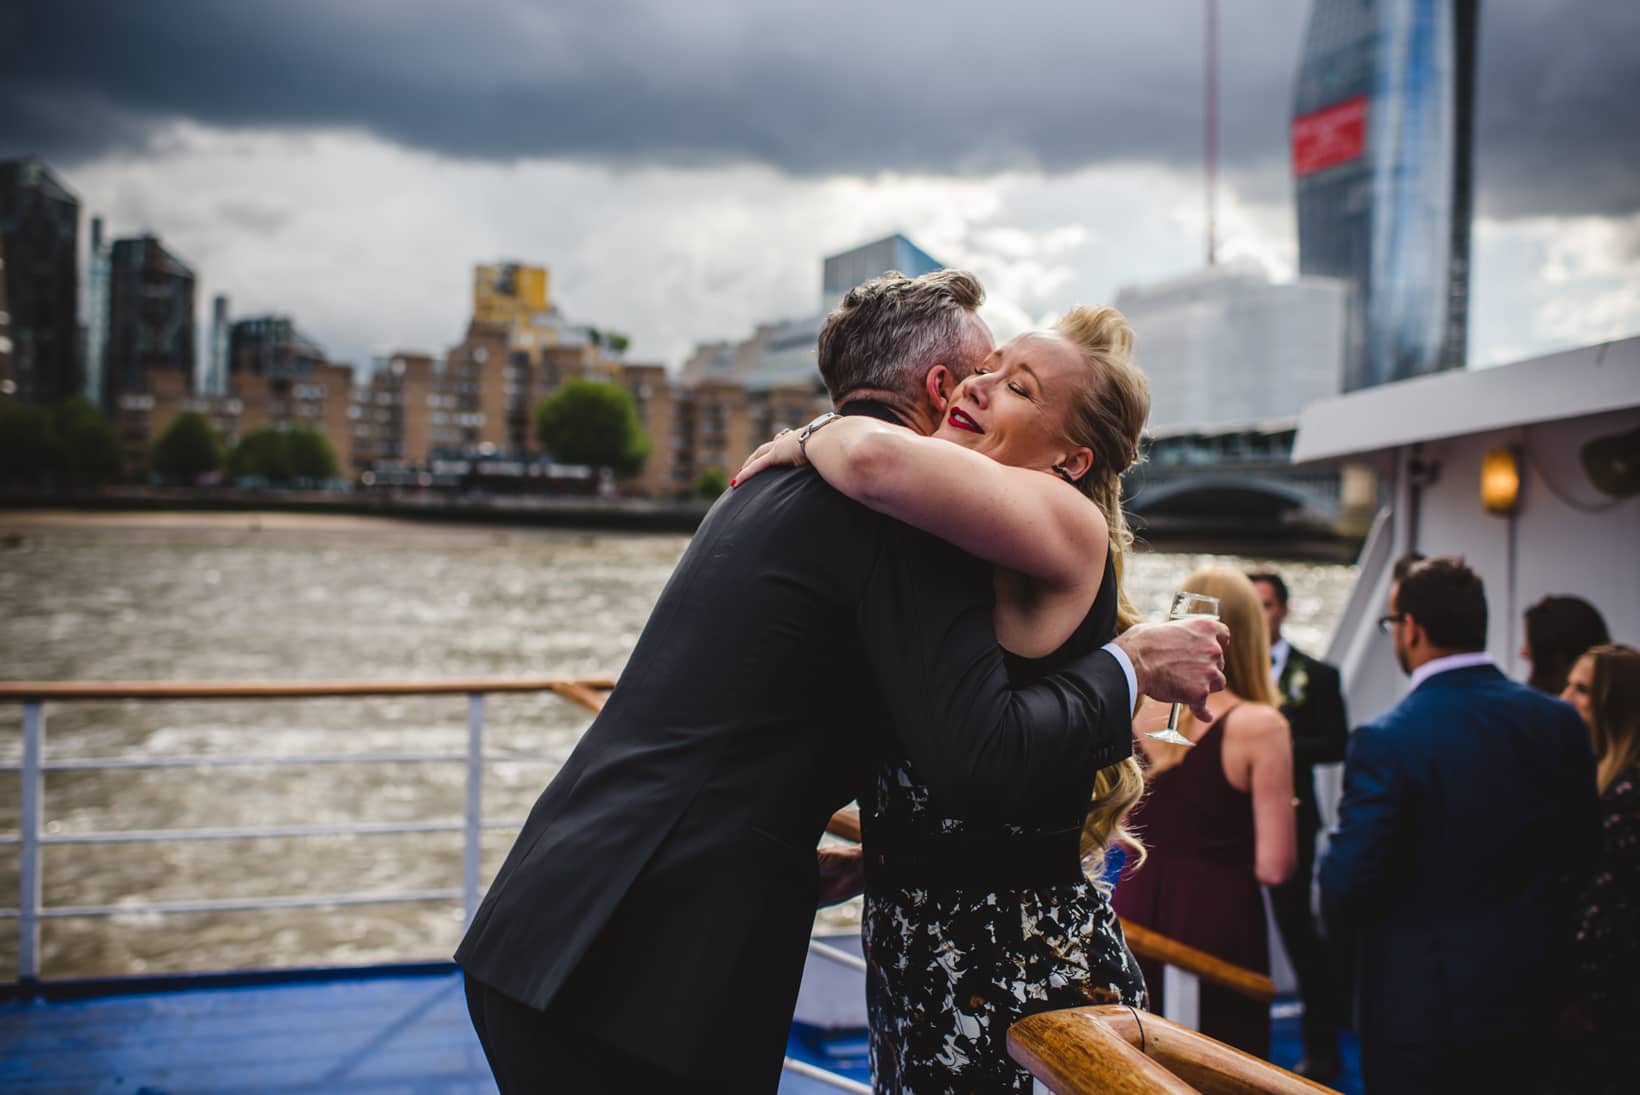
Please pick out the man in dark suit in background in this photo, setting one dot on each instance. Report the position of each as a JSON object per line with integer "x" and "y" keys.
{"x": 649, "y": 927}
{"x": 1312, "y": 701}
{"x": 1467, "y": 809}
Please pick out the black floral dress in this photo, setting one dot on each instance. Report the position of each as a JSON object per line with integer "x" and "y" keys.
{"x": 1606, "y": 947}
{"x": 971, "y": 926}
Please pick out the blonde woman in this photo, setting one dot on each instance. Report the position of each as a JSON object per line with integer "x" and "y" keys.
{"x": 1218, "y": 818}
{"x": 1604, "y": 686}
{"x": 969, "y": 924}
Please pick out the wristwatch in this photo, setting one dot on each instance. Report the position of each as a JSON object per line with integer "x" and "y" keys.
{"x": 804, "y": 434}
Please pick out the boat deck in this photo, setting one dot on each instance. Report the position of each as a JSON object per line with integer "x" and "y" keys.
{"x": 399, "y": 1029}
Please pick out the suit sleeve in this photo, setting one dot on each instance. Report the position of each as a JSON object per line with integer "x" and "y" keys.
{"x": 1370, "y": 815}
{"x": 1325, "y": 731}
{"x": 982, "y": 748}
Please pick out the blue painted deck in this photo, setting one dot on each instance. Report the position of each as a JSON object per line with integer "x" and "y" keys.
{"x": 403, "y": 1032}
{"x": 399, "y": 1029}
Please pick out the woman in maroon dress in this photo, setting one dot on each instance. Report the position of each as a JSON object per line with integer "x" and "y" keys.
{"x": 1218, "y": 820}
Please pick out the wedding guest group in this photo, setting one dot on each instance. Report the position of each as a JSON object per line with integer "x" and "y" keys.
{"x": 1312, "y": 701}
{"x": 1467, "y": 821}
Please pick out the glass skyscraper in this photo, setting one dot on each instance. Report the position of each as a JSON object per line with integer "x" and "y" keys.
{"x": 1382, "y": 122}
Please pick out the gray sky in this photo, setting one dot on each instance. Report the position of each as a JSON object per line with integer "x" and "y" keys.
{"x": 682, "y": 168}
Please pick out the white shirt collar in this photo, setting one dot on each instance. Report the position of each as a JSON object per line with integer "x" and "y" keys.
{"x": 1278, "y": 658}
{"x": 1451, "y": 661}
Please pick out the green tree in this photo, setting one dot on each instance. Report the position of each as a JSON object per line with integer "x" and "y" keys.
{"x": 309, "y": 455}
{"x": 187, "y": 449}
{"x": 592, "y": 422}
{"x": 91, "y": 454}
{"x": 30, "y": 454}
{"x": 617, "y": 341}
{"x": 711, "y": 482}
{"x": 261, "y": 454}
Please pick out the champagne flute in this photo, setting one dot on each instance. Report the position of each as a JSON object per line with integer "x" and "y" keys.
{"x": 1186, "y": 606}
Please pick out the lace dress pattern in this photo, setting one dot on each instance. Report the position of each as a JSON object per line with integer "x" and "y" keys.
{"x": 949, "y": 970}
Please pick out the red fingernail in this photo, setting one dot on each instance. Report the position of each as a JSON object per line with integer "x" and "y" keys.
{"x": 732, "y": 482}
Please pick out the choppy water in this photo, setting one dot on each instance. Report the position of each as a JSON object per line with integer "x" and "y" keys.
{"x": 288, "y": 598}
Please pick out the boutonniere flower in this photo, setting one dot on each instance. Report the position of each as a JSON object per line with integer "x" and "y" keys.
{"x": 1298, "y": 685}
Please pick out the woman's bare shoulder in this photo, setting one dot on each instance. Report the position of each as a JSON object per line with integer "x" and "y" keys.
{"x": 1258, "y": 721}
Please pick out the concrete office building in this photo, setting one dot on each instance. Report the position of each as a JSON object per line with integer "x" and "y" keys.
{"x": 845, "y": 270}
{"x": 1227, "y": 346}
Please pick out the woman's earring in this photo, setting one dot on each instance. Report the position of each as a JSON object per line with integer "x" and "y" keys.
{"x": 1060, "y": 470}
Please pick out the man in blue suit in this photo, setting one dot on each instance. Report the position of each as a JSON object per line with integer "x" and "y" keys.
{"x": 1468, "y": 807}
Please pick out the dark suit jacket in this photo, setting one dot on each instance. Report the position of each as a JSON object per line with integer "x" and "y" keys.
{"x": 1313, "y": 702}
{"x": 662, "y": 891}
{"x": 1466, "y": 809}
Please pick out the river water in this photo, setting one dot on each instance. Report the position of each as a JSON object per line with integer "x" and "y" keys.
{"x": 281, "y": 597}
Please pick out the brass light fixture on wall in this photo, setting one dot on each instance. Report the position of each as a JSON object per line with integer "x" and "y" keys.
{"x": 1500, "y": 481}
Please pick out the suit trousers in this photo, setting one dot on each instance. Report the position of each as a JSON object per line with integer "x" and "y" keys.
{"x": 1308, "y": 951}
{"x": 541, "y": 1053}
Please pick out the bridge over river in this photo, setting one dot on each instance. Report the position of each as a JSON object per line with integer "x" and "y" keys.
{"x": 1236, "y": 484}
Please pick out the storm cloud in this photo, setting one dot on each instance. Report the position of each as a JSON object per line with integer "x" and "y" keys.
{"x": 809, "y": 89}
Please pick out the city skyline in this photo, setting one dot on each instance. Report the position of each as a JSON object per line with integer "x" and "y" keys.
{"x": 318, "y": 198}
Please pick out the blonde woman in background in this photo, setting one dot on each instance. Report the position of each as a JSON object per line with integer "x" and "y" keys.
{"x": 1604, "y": 686}
{"x": 971, "y": 924}
{"x": 1218, "y": 818}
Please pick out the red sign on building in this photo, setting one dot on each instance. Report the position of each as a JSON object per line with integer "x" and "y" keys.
{"x": 1330, "y": 136}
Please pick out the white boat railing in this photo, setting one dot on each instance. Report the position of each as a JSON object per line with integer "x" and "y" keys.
{"x": 34, "y": 764}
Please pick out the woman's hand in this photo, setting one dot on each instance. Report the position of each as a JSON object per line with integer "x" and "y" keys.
{"x": 782, "y": 451}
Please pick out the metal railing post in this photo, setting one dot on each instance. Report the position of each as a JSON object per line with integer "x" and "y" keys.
{"x": 1181, "y": 997}
{"x": 28, "y": 825}
{"x": 474, "y": 830}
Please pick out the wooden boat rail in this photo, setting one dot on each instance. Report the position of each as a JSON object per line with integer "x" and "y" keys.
{"x": 1123, "y": 1051}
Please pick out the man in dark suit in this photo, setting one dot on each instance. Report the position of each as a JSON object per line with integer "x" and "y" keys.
{"x": 1313, "y": 703}
{"x": 649, "y": 927}
{"x": 1466, "y": 809}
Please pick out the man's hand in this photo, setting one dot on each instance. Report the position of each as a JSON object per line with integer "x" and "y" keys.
{"x": 842, "y": 873}
{"x": 1178, "y": 662}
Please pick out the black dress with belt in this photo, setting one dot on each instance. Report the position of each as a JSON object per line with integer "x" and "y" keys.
{"x": 969, "y": 926}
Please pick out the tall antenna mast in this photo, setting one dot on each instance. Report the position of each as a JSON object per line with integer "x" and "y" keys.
{"x": 1211, "y": 135}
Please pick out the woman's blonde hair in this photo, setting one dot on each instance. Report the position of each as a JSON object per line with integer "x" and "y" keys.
{"x": 1246, "y": 663}
{"x": 1109, "y": 417}
{"x": 1614, "y": 707}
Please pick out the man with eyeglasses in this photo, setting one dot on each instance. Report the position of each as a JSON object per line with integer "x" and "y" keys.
{"x": 1467, "y": 807}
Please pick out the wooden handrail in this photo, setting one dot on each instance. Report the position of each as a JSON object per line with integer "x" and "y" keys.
{"x": 1074, "y": 1053}
{"x": 1081, "y": 1051}
{"x": 845, "y": 823}
{"x": 23, "y": 691}
{"x": 1159, "y": 948}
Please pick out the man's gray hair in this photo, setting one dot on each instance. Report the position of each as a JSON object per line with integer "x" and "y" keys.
{"x": 889, "y": 331}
